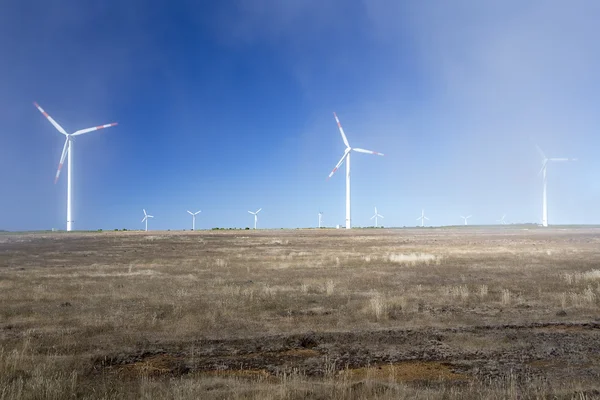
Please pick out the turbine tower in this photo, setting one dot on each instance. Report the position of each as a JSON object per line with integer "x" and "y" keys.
{"x": 320, "y": 215}
{"x": 376, "y": 216}
{"x": 502, "y": 220}
{"x": 255, "y": 216}
{"x": 193, "y": 218}
{"x": 422, "y": 218}
{"x": 346, "y": 157}
{"x": 545, "y": 161}
{"x": 68, "y": 150}
{"x": 146, "y": 217}
{"x": 466, "y": 218}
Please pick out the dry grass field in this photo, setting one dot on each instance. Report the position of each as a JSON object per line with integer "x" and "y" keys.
{"x": 454, "y": 313}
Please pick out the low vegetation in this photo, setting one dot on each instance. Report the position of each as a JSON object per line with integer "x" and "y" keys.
{"x": 420, "y": 313}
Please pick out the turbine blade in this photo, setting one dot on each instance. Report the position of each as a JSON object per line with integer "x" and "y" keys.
{"x": 373, "y": 216}
{"x": 469, "y": 216}
{"x": 143, "y": 219}
{"x": 426, "y": 218}
{"x": 341, "y": 130}
{"x": 380, "y": 216}
{"x": 251, "y": 212}
{"x": 150, "y": 216}
{"x": 338, "y": 164}
{"x": 367, "y": 151}
{"x": 540, "y": 151}
{"x": 189, "y": 212}
{"x": 144, "y": 210}
{"x": 257, "y": 211}
{"x": 52, "y": 121}
{"x": 559, "y": 159}
{"x": 95, "y": 128}
{"x": 62, "y": 159}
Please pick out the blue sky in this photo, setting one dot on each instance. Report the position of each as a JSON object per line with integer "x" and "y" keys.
{"x": 227, "y": 107}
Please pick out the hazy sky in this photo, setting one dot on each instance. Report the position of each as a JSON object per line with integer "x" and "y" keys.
{"x": 227, "y": 107}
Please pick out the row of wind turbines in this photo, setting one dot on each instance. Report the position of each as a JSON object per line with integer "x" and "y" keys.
{"x": 375, "y": 216}
{"x": 193, "y": 214}
{"x": 346, "y": 157}
{"x": 68, "y": 152}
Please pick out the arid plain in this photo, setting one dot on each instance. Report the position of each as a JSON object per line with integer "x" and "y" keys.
{"x": 498, "y": 312}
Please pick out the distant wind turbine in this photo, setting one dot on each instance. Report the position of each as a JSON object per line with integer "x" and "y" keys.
{"x": 255, "y": 216}
{"x": 466, "y": 218}
{"x": 502, "y": 220}
{"x": 346, "y": 157}
{"x": 545, "y": 161}
{"x": 320, "y": 215}
{"x": 193, "y": 218}
{"x": 146, "y": 216}
{"x": 68, "y": 150}
{"x": 377, "y": 215}
{"x": 422, "y": 218}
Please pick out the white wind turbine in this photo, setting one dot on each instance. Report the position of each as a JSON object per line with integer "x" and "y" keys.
{"x": 466, "y": 218}
{"x": 193, "y": 218}
{"x": 255, "y": 216}
{"x": 146, "y": 217}
{"x": 376, "y": 216}
{"x": 320, "y": 215}
{"x": 545, "y": 161}
{"x": 422, "y": 218}
{"x": 502, "y": 220}
{"x": 346, "y": 157}
{"x": 68, "y": 150}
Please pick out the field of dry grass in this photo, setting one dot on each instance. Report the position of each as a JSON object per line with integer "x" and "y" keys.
{"x": 419, "y": 313}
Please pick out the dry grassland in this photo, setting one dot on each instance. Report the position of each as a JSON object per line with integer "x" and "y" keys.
{"x": 387, "y": 314}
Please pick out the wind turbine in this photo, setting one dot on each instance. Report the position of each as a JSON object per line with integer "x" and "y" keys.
{"x": 146, "y": 216}
{"x": 422, "y": 218}
{"x": 502, "y": 220}
{"x": 375, "y": 216}
{"x": 545, "y": 161}
{"x": 68, "y": 150}
{"x": 255, "y": 216}
{"x": 320, "y": 215}
{"x": 466, "y": 218}
{"x": 193, "y": 218}
{"x": 346, "y": 157}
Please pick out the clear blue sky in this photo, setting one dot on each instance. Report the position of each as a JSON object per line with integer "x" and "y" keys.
{"x": 227, "y": 107}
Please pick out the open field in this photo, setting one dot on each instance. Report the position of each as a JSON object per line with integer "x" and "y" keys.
{"x": 372, "y": 313}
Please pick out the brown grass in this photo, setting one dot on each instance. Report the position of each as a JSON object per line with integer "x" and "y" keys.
{"x": 70, "y": 301}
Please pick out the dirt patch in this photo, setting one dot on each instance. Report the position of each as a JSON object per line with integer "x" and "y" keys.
{"x": 154, "y": 366}
{"x": 405, "y": 372}
{"x": 301, "y": 353}
{"x": 246, "y": 374}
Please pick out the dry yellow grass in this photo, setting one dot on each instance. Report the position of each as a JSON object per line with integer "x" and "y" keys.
{"x": 70, "y": 300}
